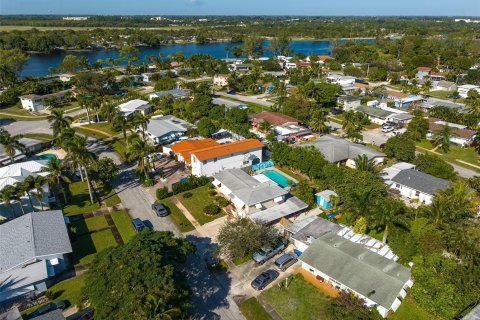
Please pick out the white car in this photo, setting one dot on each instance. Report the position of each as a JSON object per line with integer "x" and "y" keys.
{"x": 387, "y": 129}
{"x": 155, "y": 156}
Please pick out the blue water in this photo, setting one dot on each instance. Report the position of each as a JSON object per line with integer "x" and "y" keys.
{"x": 279, "y": 178}
{"x": 38, "y": 64}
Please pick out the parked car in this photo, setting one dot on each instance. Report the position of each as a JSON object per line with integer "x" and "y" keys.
{"x": 387, "y": 129}
{"x": 267, "y": 252}
{"x": 285, "y": 261}
{"x": 138, "y": 225}
{"x": 155, "y": 156}
{"x": 264, "y": 279}
{"x": 85, "y": 314}
{"x": 388, "y": 124}
{"x": 159, "y": 210}
{"x": 49, "y": 307}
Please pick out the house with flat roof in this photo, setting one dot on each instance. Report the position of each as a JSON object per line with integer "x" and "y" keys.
{"x": 274, "y": 118}
{"x": 303, "y": 232}
{"x": 31, "y": 146}
{"x": 229, "y": 104}
{"x": 234, "y": 155}
{"x": 167, "y": 129}
{"x": 257, "y": 197}
{"x": 347, "y": 103}
{"x": 129, "y": 108}
{"x": 464, "y": 89}
{"x": 35, "y": 102}
{"x": 12, "y": 314}
{"x": 33, "y": 248}
{"x": 349, "y": 266}
{"x": 444, "y": 85}
{"x": 343, "y": 152}
{"x": 18, "y": 172}
{"x": 292, "y": 132}
{"x": 220, "y": 80}
{"x": 176, "y": 93}
{"x": 460, "y": 134}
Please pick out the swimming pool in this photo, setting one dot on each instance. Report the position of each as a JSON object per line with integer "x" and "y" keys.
{"x": 279, "y": 178}
{"x": 46, "y": 156}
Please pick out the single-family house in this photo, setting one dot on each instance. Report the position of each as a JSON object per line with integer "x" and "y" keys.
{"x": 274, "y": 118}
{"x": 460, "y": 134}
{"x": 33, "y": 248}
{"x": 343, "y": 152}
{"x": 31, "y": 146}
{"x": 464, "y": 89}
{"x": 291, "y": 132}
{"x": 351, "y": 267}
{"x": 431, "y": 102}
{"x": 414, "y": 184}
{"x": 303, "y": 232}
{"x": 389, "y": 172}
{"x": 324, "y": 198}
{"x": 238, "y": 154}
{"x": 423, "y": 72}
{"x": 183, "y": 149}
{"x": 131, "y": 107}
{"x": 176, "y": 93}
{"x": 12, "y": 314}
{"x": 167, "y": 129}
{"x": 436, "y": 77}
{"x": 65, "y": 77}
{"x": 341, "y": 80}
{"x": 444, "y": 85}
{"x": 289, "y": 65}
{"x": 347, "y": 103}
{"x": 220, "y": 80}
{"x": 257, "y": 197}
{"x": 18, "y": 172}
{"x": 147, "y": 76}
{"x": 35, "y": 102}
{"x": 375, "y": 115}
{"x": 403, "y": 100}
{"x": 240, "y": 67}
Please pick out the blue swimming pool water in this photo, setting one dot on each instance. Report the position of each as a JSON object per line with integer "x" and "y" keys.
{"x": 46, "y": 156}
{"x": 279, "y": 178}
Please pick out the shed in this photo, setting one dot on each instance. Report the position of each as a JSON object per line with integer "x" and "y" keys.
{"x": 323, "y": 198}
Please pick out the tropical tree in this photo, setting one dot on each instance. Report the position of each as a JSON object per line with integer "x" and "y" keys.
{"x": 140, "y": 121}
{"x": 473, "y": 102}
{"x": 122, "y": 123}
{"x": 108, "y": 110}
{"x": 362, "y": 163}
{"x": 387, "y": 215}
{"x": 7, "y": 194}
{"x": 442, "y": 139}
{"x": 26, "y": 186}
{"x": 417, "y": 128}
{"x": 19, "y": 192}
{"x": 355, "y": 136}
{"x": 129, "y": 53}
{"x": 318, "y": 122}
{"x": 139, "y": 149}
{"x": 10, "y": 143}
{"x": 56, "y": 176}
{"x": 427, "y": 86}
{"x": 58, "y": 122}
{"x": 265, "y": 126}
{"x": 39, "y": 193}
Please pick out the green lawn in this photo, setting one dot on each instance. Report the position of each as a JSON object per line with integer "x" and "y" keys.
{"x": 410, "y": 310}
{"x": 79, "y": 199}
{"x": 197, "y": 202}
{"x": 300, "y": 301}
{"x": 253, "y": 310}
{"x": 119, "y": 146}
{"x": 123, "y": 222}
{"x": 178, "y": 218}
{"x": 239, "y": 261}
{"x": 69, "y": 290}
{"x": 39, "y": 136}
{"x": 85, "y": 247}
{"x": 104, "y": 126}
{"x": 18, "y": 113}
{"x": 91, "y": 133}
{"x": 89, "y": 225}
{"x": 465, "y": 154}
{"x": 441, "y": 94}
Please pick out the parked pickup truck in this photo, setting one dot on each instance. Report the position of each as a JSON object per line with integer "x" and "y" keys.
{"x": 267, "y": 252}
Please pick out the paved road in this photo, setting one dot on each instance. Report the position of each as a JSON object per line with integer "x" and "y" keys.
{"x": 252, "y": 99}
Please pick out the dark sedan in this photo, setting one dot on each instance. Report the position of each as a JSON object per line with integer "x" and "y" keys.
{"x": 264, "y": 279}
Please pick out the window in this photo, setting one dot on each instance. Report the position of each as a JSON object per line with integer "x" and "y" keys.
{"x": 397, "y": 186}
{"x": 214, "y": 159}
{"x": 417, "y": 193}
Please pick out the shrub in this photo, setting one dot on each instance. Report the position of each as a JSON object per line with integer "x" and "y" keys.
{"x": 148, "y": 182}
{"x": 187, "y": 195}
{"x": 162, "y": 193}
{"x": 212, "y": 193}
{"x": 191, "y": 183}
{"x": 222, "y": 202}
{"x": 211, "y": 209}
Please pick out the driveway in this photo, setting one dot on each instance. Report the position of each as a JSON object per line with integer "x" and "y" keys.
{"x": 375, "y": 136}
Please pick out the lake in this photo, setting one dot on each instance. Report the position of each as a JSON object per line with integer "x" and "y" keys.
{"x": 38, "y": 64}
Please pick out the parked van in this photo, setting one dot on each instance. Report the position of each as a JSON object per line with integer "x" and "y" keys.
{"x": 285, "y": 261}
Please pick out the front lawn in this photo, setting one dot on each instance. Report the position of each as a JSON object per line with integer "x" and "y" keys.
{"x": 253, "y": 310}
{"x": 119, "y": 146}
{"x": 39, "y": 136}
{"x": 91, "y": 133}
{"x": 103, "y": 126}
{"x": 456, "y": 153}
{"x": 85, "y": 247}
{"x": 178, "y": 218}
{"x": 301, "y": 300}
{"x": 195, "y": 204}
{"x": 89, "y": 225}
{"x": 78, "y": 198}
{"x": 123, "y": 222}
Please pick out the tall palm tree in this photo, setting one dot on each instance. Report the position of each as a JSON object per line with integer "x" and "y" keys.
{"x": 7, "y": 195}
{"x": 362, "y": 163}
{"x": 58, "y": 122}
{"x": 387, "y": 215}
{"x": 265, "y": 127}
{"x": 56, "y": 176}
{"x": 123, "y": 124}
{"x": 139, "y": 150}
{"x": 318, "y": 122}
{"x": 26, "y": 186}
{"x": 443, "y": 138}
{"x": 18, "y": 194}
{"x": 139, "y": 121}
{"x": 39, "y": 193}
{"x": 354, "y": 136}
{"x": 108, "y": 110}
{"x": 10, "y": 143}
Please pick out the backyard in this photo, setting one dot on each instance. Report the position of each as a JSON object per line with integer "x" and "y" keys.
{"x": 87, "y": 246}
{"x": 123, "y": 222}
{"x": 410, "y": 310}
{"x": 299, "y": 301}
{"x": 195, "y": 204}
{"x": 178, "y": 218}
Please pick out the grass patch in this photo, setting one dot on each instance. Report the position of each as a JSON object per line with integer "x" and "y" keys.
{"x": 239, "y": 261}
{"x": 86, "y": 247}
{"x": 89, "y": 225}
{"x": 39, "y": 136}
{"x": 104, "y": 126}
{"x": 299, "y": 301}
{"x": 177, "y": 216}
{"x": 292, "y": 174}
{"x": 18, "y": 113}
{"x": 195, "y": 204}
{"x": 456, "y": 153}
{"x": 119, "y": 146}
{"x": 109, "y": 195}
{"x": 335, "y": 119}
{"x": 441, "y": 94}
{"x": 410, "y": 310}
{"x": 253, "y": 310}
{"x": 90, "y": 133}
{"x": 79, "y": 198}
{"x": 123, "y": 222}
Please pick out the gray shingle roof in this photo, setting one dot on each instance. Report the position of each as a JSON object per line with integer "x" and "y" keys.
{"x": 12, "y": 314}
{"x": 375, "y": 112}
{"x": 336, "y": 149}
{"x": 32, "y": 235}
{"x": 291, "y": 206}
{"x": 315, "y": 229}
{"x": 161, "y": 126}
{"x": 366, "y": 272}
{"x": 420, "y": 181}
{"x": 52, "y": 315}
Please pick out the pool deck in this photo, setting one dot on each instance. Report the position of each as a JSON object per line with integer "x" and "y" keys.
{"x": 59, "y": 153}
{"x": 279, "y": 172}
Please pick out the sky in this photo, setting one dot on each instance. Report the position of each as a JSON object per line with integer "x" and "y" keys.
{"x": 244, "y": 7}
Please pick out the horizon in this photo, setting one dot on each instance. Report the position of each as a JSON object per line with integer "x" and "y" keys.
{"x": 301, "y": 8}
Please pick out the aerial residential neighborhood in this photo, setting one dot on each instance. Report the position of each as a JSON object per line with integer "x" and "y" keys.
{"x": 209, "y": 160}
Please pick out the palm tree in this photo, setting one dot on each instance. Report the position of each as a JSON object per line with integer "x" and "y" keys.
{"x": 58, "y": 122}
{"x": 18, "y": 194}
{"x": 108, "y": 111}
{"x": 427, "y": 86}
{"x": 10, "y": 143}
{"x": 7, "y": 195}
{"x": 355, "y": 136}
{"x": 26, "y": 186}
{"x": 443, "y": 138}
{"x": 139, "y": 150}
{"x": 318, "y": 122}
{"x": 349, "y": 121}
{"x": 139, "y": 121}
{"x": 473, "y": 102}
{"x": 56, "y": 176}
{"x": 39, "y": 193}
{"x": 362, "y": 163}
{"x": 388, "y": 215}
{"x": 123, "y": 124}
{"x": 265, "y": 127}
